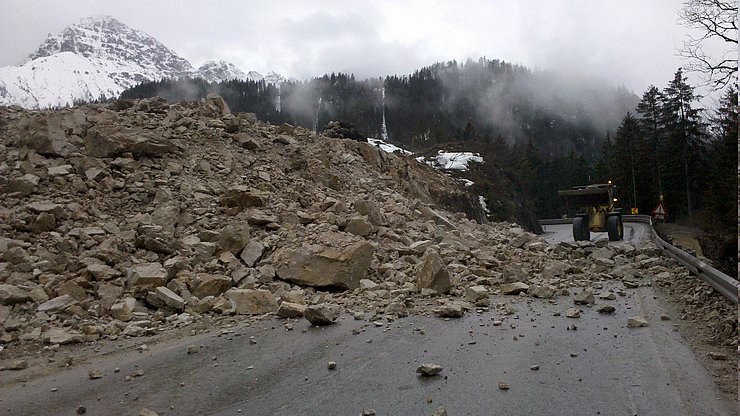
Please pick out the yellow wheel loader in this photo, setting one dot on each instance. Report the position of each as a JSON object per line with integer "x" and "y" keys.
{"x": 594, "y": 211}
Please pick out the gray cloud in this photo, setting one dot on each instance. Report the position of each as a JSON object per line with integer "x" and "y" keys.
{"x": 629, "y": 42}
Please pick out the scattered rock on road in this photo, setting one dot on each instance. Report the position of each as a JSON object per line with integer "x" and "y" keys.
{"x": 585, "y": 297}
{"x": 636, "y": 321}
{"x": 451, "y": 309}
{"x": 573, "y": 313}
{"x": 440, "y": 411}
{"x": 322, "y": 314}
{"x": 605, "y": 309}
{"x": 429, "y": 370}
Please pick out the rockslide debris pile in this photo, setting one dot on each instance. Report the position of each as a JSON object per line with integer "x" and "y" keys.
{"x": 130, "y": 218}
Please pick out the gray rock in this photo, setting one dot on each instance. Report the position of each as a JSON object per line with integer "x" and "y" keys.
{"x": 636, "y": 321}
{"x": 359, "y": 226}
{"x": 252, "y": 302}
{"x": 450, "y": 309}
{"x": 371, "y": 210}
{"x": 605, "y": 309}
{"x": 585, "y": 297}
{"x": 204, "y": 284}
{"x": 513, "y": 288}
{"x": 476, "y": 292}
{"x": 234, "y": 237}
{"x": 215, "y": 106}
{"x": 72, "y": 289}
{"x": 17, "y": 365}
{"x": 542, "y": 292}
{"x": 61, "y": 170}
{"x": 243, "y": 196}
{"x": 10, "y": 295}
{"x": 102, "y": 272}
{"x": 291, "y": 310}
{"x": 440, "y": 411}
{"x": 322, "y": 314}
{"x": 367, "y": 284}
{"x": 57, "y": 304}
{"x": 123, "y": 310}
{"x": 170, "y": 298}
{"x": 252, "y": 253}
{"x": 429, "y": 370}
{"x": 258, "y": 217}
{"x": 396, "y": 309}
{"x": 113, "y": 140}
{"x": 431, "y": 273}
{"x": 573, "y": 313}
{"x": 341, "y": 267}
{"x": 146, "y": 276}
{"x": 25, "y": 185}
{"x": 62, "y": 336}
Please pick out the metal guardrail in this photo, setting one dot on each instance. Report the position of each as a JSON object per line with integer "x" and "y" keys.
{"x": 722, "y": 283}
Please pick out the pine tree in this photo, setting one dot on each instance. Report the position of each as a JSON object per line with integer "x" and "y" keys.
{"x": 721, "y": 187}
{"x": 649, "y": 110}
{"x": 683, "y": 130}
{"x": 624, "y": 159}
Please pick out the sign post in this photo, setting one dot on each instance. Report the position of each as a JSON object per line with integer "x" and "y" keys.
{"x": 659, "y": 212}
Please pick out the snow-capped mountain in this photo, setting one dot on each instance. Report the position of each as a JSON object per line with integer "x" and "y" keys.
{"x": 218, "y": 71}
{"x": 100, "y": 57}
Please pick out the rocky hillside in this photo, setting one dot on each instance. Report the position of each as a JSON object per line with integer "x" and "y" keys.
{"x": 130, "y": 218}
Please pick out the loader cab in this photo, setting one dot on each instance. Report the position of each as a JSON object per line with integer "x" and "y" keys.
{"x": 593, "y": 208}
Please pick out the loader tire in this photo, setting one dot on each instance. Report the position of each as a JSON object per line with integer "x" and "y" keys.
{"x": 580, "y": 229}
{"x": 615, "y": 228}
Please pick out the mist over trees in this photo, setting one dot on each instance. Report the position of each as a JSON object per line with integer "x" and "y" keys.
{"x": 484, "y": 99}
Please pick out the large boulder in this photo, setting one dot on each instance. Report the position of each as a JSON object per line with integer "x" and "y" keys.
{"x": 113, "y": 140}
{"x": 322, "y": 314}
{"x": 431, "y": 273}
{"x": 252, "y": 302}
{"x": 341, "y": 263}
{"x": 214, "y": 106}
{"x": 47, "y": 134}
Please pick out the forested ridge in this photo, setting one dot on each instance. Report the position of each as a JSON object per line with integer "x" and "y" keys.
{"x": 484, "y": 99}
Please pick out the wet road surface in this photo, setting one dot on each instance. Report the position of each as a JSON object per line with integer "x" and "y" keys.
{"x": 601, "y": 368}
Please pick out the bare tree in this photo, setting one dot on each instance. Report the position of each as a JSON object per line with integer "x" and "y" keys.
{"x": 716, "y": 21}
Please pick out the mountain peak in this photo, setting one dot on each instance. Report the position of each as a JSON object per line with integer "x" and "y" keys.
{"x": 99, "y": 57}
{"x": 105, "y": 37}
{"x": 218, "y": 71}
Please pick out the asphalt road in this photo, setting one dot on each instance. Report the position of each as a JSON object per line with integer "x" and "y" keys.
{"x": 602, "y": 368}
{"x": 636, "y": 232}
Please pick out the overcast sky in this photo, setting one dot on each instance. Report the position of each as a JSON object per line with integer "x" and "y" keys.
{"x": 628, "y": 42}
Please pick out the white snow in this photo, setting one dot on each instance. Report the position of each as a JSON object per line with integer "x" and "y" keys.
{"x": 387, "y": 147}
{"x": 483, "y": 204}
{"x": 456, "y": 160}
{"x": 101, "y": 57}
{"x": 220, "y": 71}
{"x": 466, "y": 182}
